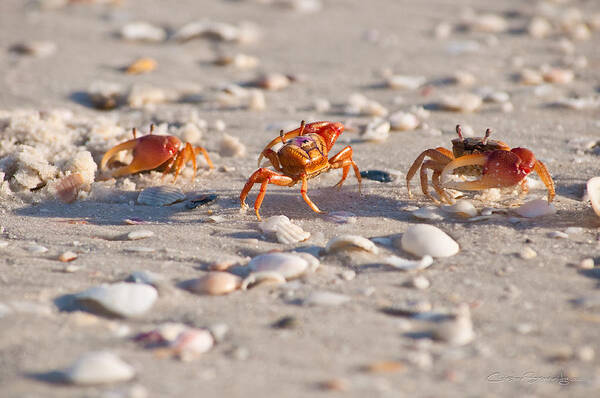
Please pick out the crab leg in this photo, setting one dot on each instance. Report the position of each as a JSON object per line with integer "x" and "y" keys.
{"x": 435, "y": 180}
{"x": 200, "y": 150}
{"x": 441, "y": 155}
{"x": 309, "y": 202}
{"x": 344, "y": 160}
{"x": 265, "y": 177}
{"x": 542, "y": 171}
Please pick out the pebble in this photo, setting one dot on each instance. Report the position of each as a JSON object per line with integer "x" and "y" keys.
{"x": 67, "y": 256}
{"x": 463, "y": 102}
{"x": 535, "y": 208}
{"x": 104, "y": 95}
{"x": 377, "y": 175}
{"x": 458, "y": 331}
{"x": 143, "y": 31}
{"x": 39, "y": 49}
{"x": 99, "y": 367}
{"x": 120, "y": 299}
{"x": 286, "y": 264}
{"x": 462, "y": 208}
{"x": 527, "y": 253}
{"x": 325, "y": 299}
{"x": 139, "y": 234}
{"x": 419, "y": 282}
{"x": 405, "y": 82}
{"x": 424, "y": 239}
{"x": 593, "y": 191}
{"x": 406, "y": 264}
{"x": 350, "y": 242}
{"x": 283, "y": 230}
{"x": 230, "y": 146}
{"x": 214, "y": 283}
{"x": 160, "y": 196}
{"x": 376, "y": 130}
{"x": 403, "y": 121}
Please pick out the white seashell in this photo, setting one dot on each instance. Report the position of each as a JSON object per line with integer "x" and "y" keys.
{"x": 143, "y": 31}
{"x": 313, "y": 262}
{"x": 536, "y": 208}
{"x": 121, "y": 299}
{"x": 191, "y": 343}
{"x": 403, "y": 121}
{"x": 527, "y": 253}
{"x": 376, "y": 130}
{"x": 139, "y": 234}
{"x": 273, "y": 81}
{"x": 67, "y": 189}
{"x": 325, "y": 298}
{"x": 35, "y": 248}
{"x": 530, "y": 77}
{"x": 283, "y": 229}
{"x": 65, "y": 257}
{"x": 257, "y": 101}
{"x": 443, "y": 30}
{"x": 350, "y": 242}
{"x": 207, "y": 29}
{"x": 427, "y": 213}
{"x": 214, "y": 283}
{"x": 231, "y": 146}
{"x": 557, "y": 75}
{"x": 160, "y": 196}
{"x": 586, "y": 263}
{"x": 463, "y": 102}
{"x": 539, "y": 27}
{"x": 287, "y": 264}
{"x": 463, "y": 78}
{"x": 321, "y": 105}
{"x": 341, "y": 217}
{"x": 458, "y": 331}
{"x": 419, "y": 282}
{"x": 489, "y": 23}
{"x": 36, "y": 48}
{"x": 558, "y": 235}
{"x": 405, "y": 82}
{"x": 97, "y": 368}
{"x": 408, "y": 265}
{"x": 579, "y": 103}
{"x": 424, "y": 239}
{"x": 258, "y": 278}
{"x": 306, "y": 6}
{"x": 462, "y": 208}
{"x": 373, "y": 108}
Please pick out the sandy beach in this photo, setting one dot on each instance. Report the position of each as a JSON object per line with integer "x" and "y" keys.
{"x": 514, "y": 312}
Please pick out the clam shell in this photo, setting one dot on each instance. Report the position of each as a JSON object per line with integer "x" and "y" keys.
{"x": 287, "y": 264}
{"x": 593, "y": 189}
{"x": 424, "y": 239}
{"x": 283, "y": 229}
{"x": 121, "y": 299}
{"x": 215, "y": 283}
{"x": 97, "y": 368}
{"x": 160, "y": 196}
{"x": 536, "y": 208}
{"x": 350, "y": 242}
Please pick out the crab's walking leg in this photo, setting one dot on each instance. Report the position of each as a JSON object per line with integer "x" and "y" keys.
{"x": 309, "y": 202}
{"x": 264, "y": 177}
{"x": 200, "y": 150}
{"x": 344, "y": 160}
{"x": 435, "y": 180}
{"x": 542, "y": 171}
{"x": 441, "y": 155}
{"x": 184, "y": 156}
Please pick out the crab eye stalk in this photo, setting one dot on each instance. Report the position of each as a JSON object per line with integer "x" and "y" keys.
{"x": 281, "y": 135}
{"x": 459, "y": 132}
{"x": 488, "y": 132}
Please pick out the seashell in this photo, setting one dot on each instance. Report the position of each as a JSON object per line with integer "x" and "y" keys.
{"x": 464, "y": 102}
{"x": 263, "y": 277}
{"x": 418, "y": 282}
{"x": 201, "y": 200}
{"x": 321, "y": 105}
{"x": 558, "y": 235}
{"x": 284, "y": 230}
{"x": 427, "y": 213}
{"x": 239, "y": 61}
{"x": 376, "y": 130}
{"x": 257, "y": 101}
{"x": 530, "y": 77}
{"x": 35, "y": 248}
{"x": 98, "y": 368}
{"x": 403, "y": 121}
{"x": 305, "y": 6}
{"x": 141, "y": 65}
{"x": 65, "y": 257}
{"x": 350, "y": 242}
{"x": 527, "y": 253}
{"x": 120, "y": 299}
{"x": 405, "y": 82}
{"x": 105, "y": 95}
{"x": 160, "y": 196}
{"x": 287, "y": 264}
{"x": 67, "y": 189}
{"x": 231, "y": 147}
{"x": 443, "y": 30}
{"x": 489, "y": 23}
{"x": 341, "y": 217}
{"x": 217, "y": 31}
{"x": 580, "y": 32}
{"x": 462, "y": 208}
{"x": 539, "y": 27}
{"x": 463, "y": 78}
{"x": 214, "y": 283}
{"x": 38, "y": 49}
{"x": 586, "y": 263}
{"x": 579, "y": 103}
{"x": 273, "y": 82}
{"x": 408, "y": 265}
{"x": 191, "y": 343}
{"x": 140, "y": 249}
{"x": 458, "y": 331}
{"x": 313, "y": 262}
{"x": 557, "y": 75}
{"x": 164, "y": 333}
{"x": 139, "y": 234}
{"x": 535, "y": 208}
{"x": 424, "y": 239}
{"x": 143, "y": 31}
{"x": 325, "y": 298}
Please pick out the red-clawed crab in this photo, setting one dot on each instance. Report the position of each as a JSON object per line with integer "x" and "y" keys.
{"x": 302, "y": 156}
{"x": 496, "y": 164}
{"x": 150, "y": 152}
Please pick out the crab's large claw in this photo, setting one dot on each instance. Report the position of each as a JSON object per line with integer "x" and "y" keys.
{"x": 127, "y": 145}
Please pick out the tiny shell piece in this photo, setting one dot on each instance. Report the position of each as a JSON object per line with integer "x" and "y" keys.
{"x": 284, "y": 230}
{"x": 36, "y": 48}
{"x": 258, "y": 278}
{"x": 141, "y": 65}
{"x": 325, "y": 298}
{"x": 272, "y": 81}
{"x": 593, "y": 190}
{"x": 350, "y": 242}
{"x": 191, "y": 343}
{"x": 464, "y": 102}
{"x": 143, "y": 31}
{"x": 405, "y": 82}
{"x": 67, "y": 188}
{"x": 341, "y": 217}
{"x": 427, "y": 213}
{"x": 67, "y": 256}
{"x": 160, "y": 196}
{"x": 424, "y": 239}
{"x": 97, "y": 368}
{"x": 403, "y": 121}
{"x": 536, "y": 208}
{"x": 140, "y": 234}
{"x": 287, "y": 264}
{"x": 214, "y": 283}
{"x": 557, "y": 75}
{"x": 462, "y": 208}
{"x": 408, "y": 265}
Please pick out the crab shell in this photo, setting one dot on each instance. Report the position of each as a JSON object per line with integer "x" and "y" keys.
{"x": 470, "y": 145}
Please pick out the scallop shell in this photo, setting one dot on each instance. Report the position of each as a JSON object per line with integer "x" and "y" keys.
{"x": 160, "y": 196}
{"x": 350, "y": 242}
{"x": 284, "y": 230}
{"x": 593, "y": 189}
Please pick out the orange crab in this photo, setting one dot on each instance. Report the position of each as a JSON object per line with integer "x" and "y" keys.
{"x": 302, "y": 156}
{"x": 493, "y": 161}
{"x": 150, "y": 152}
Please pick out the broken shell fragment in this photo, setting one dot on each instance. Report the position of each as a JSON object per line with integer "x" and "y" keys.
{"x": 65, "y": 257}
{"x": 214, "y": 283}
{"x": 464, "y": 102}
{"x": 424, "y": 239}
{"x": 191, "y": 343}
{"x": 67, "y": 189}
{"x": 287, "y": 264}
{"x": 141, "y": 65}
{"x": 36, "y": 48}
{"x": 160, "y": 196}
{"x": 350, "y": 242}
{"x": 462, "y": 208}
{"x": 406, "y": 264}
{"x": 273, "y": 81}
{"x": 264, "y": 277}
{"x": 283, "y": 229}
{"x": 536, "y": 208}
{"x": 143, "y": 31}
{"x": 593, "y": 191}
{"x": 405, "y": 82}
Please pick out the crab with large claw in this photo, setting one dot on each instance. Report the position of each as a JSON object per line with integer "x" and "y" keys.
{"x": 151, "y": 152}
{"x": 496, "y": 164}
{"x": 303, "y": 156}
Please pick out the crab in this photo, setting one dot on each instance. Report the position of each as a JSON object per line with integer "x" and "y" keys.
{"x": 303, "y": 156}
{"x": 151, "y": 152}
{"x": 496, "y": 164}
